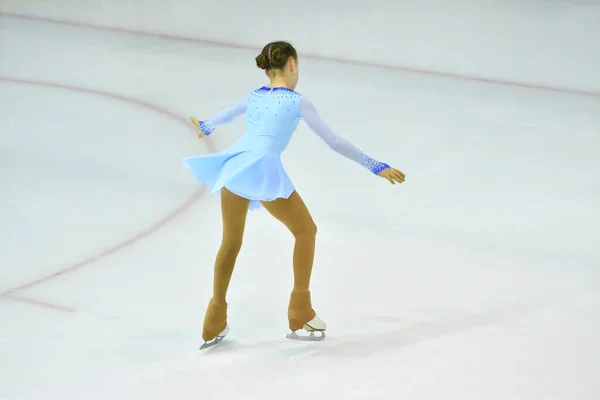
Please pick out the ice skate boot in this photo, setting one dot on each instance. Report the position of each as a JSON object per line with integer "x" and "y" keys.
{"x": 302, "y": 318}
{"x": 215, "y": 324}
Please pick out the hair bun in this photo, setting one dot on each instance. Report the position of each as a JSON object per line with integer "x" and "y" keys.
{"x": 275, "y": 55}
{"x": 261, "y": 61}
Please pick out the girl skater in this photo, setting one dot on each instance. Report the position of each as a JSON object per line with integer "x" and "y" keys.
{"x": 250, "y": 174}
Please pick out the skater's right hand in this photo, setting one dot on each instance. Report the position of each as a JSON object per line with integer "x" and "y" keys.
{"x": 197, "y": 123}
{"x": 393, "y": 175}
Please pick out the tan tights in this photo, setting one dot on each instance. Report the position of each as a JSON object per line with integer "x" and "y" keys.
{"x": 292, "y": 212}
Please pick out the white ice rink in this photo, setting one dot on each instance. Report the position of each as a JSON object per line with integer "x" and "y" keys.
{"x": 478, "y": 278}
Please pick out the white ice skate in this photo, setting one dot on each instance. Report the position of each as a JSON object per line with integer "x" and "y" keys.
{"x": 312, "y": 326}
{"x": 217, "y": 339}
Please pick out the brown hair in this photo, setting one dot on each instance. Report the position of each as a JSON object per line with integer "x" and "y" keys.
{"x": 275, "y": 55}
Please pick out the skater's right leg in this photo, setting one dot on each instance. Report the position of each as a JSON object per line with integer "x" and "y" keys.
{"x": 234, "y": 210}
{"x": 293, "y": 213}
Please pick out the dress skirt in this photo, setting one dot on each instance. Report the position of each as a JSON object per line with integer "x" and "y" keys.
{"x": 257, "y": 175}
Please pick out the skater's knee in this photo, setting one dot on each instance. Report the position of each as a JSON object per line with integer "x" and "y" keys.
{"x": 312, "y": 229}
{"x": 231, "y": 246}
{"x": 307, "y": 230}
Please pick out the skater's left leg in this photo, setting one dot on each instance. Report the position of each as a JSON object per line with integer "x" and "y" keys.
{"x": 233, "y": 213}
{"x": 234, "y": 210}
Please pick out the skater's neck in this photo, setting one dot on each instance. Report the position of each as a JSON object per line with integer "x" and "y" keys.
{"x": 280, "y": 82}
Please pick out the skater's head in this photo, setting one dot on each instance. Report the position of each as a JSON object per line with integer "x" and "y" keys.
{"x": 280, "y": 62}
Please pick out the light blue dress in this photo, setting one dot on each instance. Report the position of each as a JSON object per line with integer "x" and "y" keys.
{"x": 252, "y": 167}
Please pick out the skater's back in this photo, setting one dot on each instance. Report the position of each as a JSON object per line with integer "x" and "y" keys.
{"x": 272, "y": 116}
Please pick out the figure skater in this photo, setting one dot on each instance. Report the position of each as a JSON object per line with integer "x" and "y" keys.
{"x": 250, "y": 174}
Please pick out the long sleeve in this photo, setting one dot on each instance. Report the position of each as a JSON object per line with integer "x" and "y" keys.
{"x": 337, "y": 143}
{"x": 226, "y": 116}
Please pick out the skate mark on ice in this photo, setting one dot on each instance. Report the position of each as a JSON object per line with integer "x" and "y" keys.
{"x": 361, "y": 345}
{"x": 278, "y": 348}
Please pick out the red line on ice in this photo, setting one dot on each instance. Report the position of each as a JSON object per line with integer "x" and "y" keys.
{"x": 314, "y": 56}
{"x": 9, "y": 293}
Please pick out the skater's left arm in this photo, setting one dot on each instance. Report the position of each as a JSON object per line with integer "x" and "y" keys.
{"x": 226, "y": 116}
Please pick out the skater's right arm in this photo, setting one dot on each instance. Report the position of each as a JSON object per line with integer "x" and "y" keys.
{"x": 342, "y": 146}
{"x": 226, "y": 116}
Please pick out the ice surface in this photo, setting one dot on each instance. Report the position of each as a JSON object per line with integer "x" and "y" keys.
{"x": 476, "y": 279}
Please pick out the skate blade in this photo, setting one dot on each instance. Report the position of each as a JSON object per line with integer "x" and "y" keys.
{"x": 212, "y": 343}
{"x": 217, "y": 339}
{"x": 310, "y": 338}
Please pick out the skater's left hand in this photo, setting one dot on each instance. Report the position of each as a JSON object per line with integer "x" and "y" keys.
{"x": 197, "y": 123}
